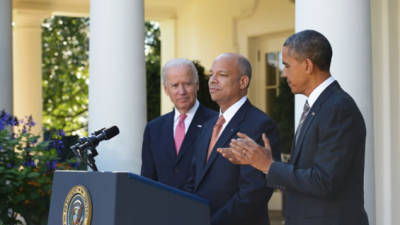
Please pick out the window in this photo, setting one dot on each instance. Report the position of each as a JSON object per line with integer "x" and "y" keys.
{"x": 273, "y": 73}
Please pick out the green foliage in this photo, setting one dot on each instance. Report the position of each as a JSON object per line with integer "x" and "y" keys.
{"x": 65, "y": 73}
{"x": 153, "y": 61}
{"x": 283, "y": 114}
{"x": 65, "y": 48}
{"x": 27, "y": 165}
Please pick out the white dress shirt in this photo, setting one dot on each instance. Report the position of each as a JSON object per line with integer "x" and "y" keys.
{"x": 318, "y": 90}
{"x": 231, "y": 111}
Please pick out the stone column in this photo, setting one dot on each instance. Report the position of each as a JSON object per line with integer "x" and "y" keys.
{"x": 117, "y": 89}
{"x": 5, "y": 57}
{"x": 27, "y": 46}
{"x": 346, "y": 24}
{"x": 385, "y": 21}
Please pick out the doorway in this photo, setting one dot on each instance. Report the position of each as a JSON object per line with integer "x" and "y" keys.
{"x": 270, "y": 93}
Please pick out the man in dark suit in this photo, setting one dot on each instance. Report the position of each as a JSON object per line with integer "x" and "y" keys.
{"x": 237, "y": 194}
{"x": 323, "y": 182}
{"x": 167, "y": 143}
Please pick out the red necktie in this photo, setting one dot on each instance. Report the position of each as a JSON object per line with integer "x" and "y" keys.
{"x": 215, "y": 133}
{"x": 180, "y": 132}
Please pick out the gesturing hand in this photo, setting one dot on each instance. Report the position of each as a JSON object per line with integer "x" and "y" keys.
{"x": 245, "y": 151}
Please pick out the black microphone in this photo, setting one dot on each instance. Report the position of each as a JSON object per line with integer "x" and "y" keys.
{"x": 100, "y": 135}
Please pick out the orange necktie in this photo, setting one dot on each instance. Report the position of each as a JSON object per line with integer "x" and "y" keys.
{"x": 215, "y": 133}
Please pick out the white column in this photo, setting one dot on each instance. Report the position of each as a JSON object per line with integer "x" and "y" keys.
{"x": 5, "y": 57}
{"x": 346, "y": 24}
{"x": 27, "y": 66}
{"x": 386, "y": 83}
{"x": 117, "y": 89}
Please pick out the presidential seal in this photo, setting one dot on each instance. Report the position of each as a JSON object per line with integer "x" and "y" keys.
{"x": 77, "y": 207}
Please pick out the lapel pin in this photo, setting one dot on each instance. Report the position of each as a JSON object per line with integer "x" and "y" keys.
{"x": 199, "y": 125}
{"x": 313, "y": 113}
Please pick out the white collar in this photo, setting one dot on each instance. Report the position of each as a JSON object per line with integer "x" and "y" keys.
{"x": 318, "y": 90}
{"x": 231, "y": 111}
{"x": 189, "y": 114}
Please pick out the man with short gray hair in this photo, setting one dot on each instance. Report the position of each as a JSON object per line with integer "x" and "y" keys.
{"x": 166, "y": 149}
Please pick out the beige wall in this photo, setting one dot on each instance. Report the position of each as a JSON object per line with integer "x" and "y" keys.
{"x": 168, "y": 52}
{"x": 272, "y": 16}
{"x": 263, "y": 29}
{"x": 204, "y": 29}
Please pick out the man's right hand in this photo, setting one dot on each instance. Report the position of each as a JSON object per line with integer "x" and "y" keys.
{"x": 245, "y": 151}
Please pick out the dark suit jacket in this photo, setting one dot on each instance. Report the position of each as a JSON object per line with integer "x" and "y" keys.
{"x": 323, "y": 182}
{"x": 159, "y": 159}
{"x": 237, "y": 194}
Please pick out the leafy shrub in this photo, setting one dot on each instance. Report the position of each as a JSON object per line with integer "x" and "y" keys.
{"x": 27, "y": 165}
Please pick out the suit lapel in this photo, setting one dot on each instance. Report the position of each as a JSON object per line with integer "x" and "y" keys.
{"x": 203, "y": 142}
{"x": 310, "y": 117}
{"x": 169, "y": 139}
{"x": 194, "y": 130}
{"x": 303, "y": 131}
{"x": 225, "y": 137}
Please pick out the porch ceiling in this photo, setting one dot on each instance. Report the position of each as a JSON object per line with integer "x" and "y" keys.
{"x": 154, "y": 9}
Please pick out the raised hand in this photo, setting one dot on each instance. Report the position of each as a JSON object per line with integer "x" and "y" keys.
{"x": 245, "y": 151}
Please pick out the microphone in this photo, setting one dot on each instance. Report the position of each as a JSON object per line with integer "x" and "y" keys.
{"x": 98, "y": 136}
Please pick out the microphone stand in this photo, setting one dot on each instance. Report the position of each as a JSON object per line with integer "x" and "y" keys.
{"x": 87, "y": 146}
{"x": 84, "y": 155}
{"x": 90, "y": 159}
